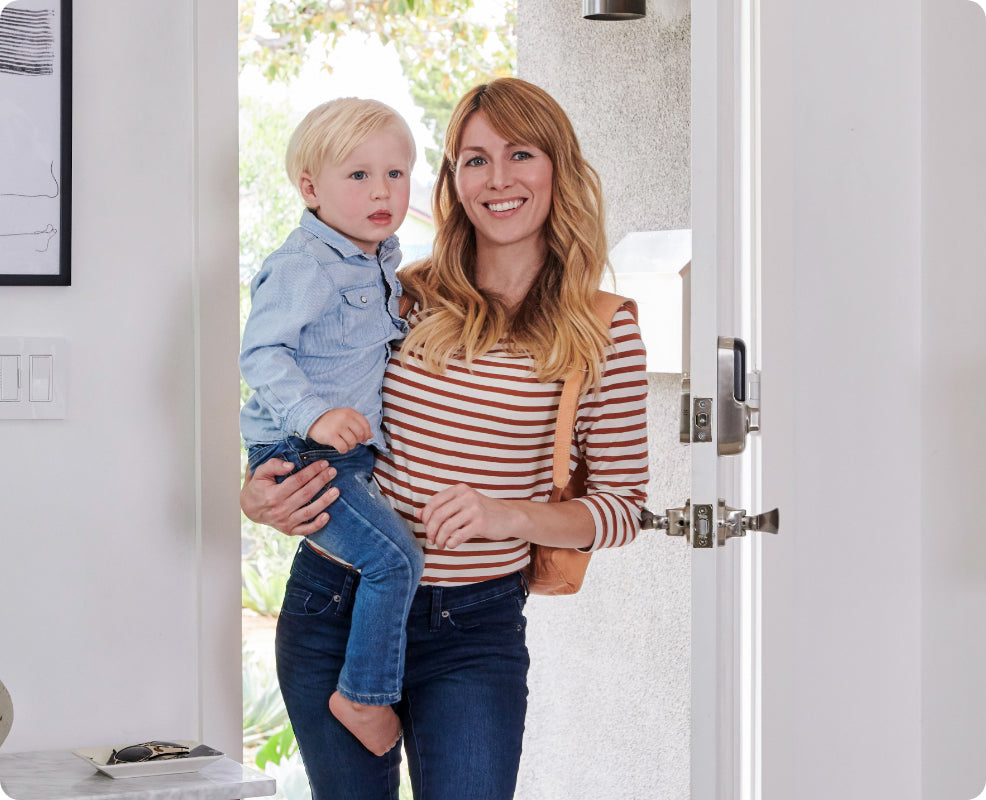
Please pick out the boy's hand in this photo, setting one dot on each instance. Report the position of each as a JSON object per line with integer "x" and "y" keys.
{"x": 341, "y": 428}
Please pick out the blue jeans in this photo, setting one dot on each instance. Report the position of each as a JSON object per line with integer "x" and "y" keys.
{"x": 364, "y": 531}
{"x": 465, "y": 687}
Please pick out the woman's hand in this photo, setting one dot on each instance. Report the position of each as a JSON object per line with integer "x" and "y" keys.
{"x": 284, "y": 505}
{"x": 460, "y": 513}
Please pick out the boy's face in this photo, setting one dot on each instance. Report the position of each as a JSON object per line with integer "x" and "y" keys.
{"x": 365, "y": 196}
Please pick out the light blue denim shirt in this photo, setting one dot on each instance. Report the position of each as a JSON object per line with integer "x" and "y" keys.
{"x": 319, "y": 334}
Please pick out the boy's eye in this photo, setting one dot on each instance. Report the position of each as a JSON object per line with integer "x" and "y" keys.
{"x": 359, "y": 175}
{"x": 394, "y": 173}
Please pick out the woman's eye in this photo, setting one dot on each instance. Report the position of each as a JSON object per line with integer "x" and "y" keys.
{"x": 476, "y": 161}
{"x": 522, "y": 155}
{"x": 359, "y": 175}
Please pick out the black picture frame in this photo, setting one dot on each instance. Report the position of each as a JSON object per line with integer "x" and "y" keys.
{"x": 36, "y": 132}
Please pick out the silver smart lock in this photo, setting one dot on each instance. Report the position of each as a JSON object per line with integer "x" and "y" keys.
{"x": 737, "y": 403}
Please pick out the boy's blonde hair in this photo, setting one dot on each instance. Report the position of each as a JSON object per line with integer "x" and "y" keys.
{"x": 332, "y": 130}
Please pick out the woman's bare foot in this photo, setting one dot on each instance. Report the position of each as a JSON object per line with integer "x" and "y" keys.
{"x": 377, "y": 727}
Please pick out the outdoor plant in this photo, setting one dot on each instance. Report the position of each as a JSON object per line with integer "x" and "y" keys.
{"x": 267, "y": 559}
{"x": 263, "y": 708}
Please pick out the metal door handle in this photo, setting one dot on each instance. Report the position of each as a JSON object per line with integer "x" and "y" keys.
{"x": 729, "y": 523}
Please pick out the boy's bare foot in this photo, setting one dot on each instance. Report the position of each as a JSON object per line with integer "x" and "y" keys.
{"x": 377, "y": 727}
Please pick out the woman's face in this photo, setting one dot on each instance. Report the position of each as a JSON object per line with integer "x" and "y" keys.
{"x": 504, "y": 187}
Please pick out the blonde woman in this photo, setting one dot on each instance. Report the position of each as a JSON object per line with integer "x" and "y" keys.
{"x": 503, "y": 308}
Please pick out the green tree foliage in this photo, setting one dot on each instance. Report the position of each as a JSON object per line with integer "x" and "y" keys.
{"x": 444, "y": 47}
{"x": 270, "y": 206}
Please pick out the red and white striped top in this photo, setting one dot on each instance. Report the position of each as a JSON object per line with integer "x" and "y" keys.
{"x": 492, "y": 427}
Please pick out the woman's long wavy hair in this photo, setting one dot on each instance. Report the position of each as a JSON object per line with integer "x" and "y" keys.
{"x": 555, "y": 324}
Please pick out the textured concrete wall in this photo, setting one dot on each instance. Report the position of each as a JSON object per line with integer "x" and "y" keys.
{"x": 610, "y": 679}
{"x": 625, "y": 86}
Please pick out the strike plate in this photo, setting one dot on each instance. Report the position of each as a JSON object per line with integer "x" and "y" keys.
{"x": 702, "y": 419}
{"x": 703, "y": 528}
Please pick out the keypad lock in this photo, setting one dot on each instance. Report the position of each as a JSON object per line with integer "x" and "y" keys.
{"x": 737, "y": 414}
{"x": 737, "y": 403}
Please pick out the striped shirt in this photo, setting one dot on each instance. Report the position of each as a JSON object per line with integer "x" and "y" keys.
{"x": 492, "y": 427}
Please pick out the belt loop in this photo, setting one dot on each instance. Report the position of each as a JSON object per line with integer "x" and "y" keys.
{"x": 436, "y": 608}
{"x": 346, "y": 595}
{"x": 524, "y": 583}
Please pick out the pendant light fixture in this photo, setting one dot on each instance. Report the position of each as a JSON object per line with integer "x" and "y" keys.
{"x": 614, "y": 9}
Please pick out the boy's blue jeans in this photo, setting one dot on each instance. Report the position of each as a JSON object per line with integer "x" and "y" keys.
{"x": 465, "y": 689}
{"x": 366, "y": 532}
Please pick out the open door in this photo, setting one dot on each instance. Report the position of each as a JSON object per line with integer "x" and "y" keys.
{"x": 721, "y": 520}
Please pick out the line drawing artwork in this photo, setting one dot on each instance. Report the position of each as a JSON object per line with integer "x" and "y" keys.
{"x": 26, "y": 166}
{"x": 31, "y": 130}
{"x": 27, "y": 41}
{"x": 19, "y": 243}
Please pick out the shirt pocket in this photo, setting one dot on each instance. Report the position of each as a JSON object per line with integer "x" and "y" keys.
{"x": 363, "y": 316}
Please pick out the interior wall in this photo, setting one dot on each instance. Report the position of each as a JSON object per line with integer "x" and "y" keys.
{"x": 610, "y": 682}
{"x": 119, "y": 589}
{"x": 953, "y": 358}
{"x": 842, "y": 399}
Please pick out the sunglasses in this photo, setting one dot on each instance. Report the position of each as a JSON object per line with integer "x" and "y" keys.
{"x": 148, "y": 751}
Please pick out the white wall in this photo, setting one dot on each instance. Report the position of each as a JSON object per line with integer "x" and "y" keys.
{"x": 953, "y": 386}
{"x": 119, "y": 587}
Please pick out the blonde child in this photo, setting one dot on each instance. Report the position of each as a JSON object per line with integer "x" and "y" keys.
{"x": 322, "y": 324}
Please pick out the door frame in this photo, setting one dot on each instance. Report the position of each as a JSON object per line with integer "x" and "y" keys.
{"x": 724, "y": 300}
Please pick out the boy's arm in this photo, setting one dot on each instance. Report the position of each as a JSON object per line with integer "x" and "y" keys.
{"x": 289, "y": 293}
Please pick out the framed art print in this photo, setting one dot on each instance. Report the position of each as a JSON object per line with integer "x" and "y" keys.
{"x": 35, "y": 142}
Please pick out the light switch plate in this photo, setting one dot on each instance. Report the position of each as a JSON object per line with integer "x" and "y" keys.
{"x": 33, "y": 377}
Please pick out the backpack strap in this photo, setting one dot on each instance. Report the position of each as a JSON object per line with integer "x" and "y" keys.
{"x": 605, "y": 306}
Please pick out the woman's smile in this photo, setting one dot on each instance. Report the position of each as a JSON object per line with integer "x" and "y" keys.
{"x": 507, "y": 205}
{"x": 505, "y": 187}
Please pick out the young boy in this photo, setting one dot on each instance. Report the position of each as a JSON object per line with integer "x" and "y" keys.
{"x": 319, "y": 335}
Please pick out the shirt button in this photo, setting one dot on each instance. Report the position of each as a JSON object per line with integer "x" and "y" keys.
{"x": 362, "y": 299}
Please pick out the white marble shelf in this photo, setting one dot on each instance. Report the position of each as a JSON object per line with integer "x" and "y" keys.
{"x": 60, "y": 775}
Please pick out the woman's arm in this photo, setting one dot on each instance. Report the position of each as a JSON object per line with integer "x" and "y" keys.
{"x": 288, "y": 505}
{"x": 460, "y": 513}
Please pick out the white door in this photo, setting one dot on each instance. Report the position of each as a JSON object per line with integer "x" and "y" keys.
{"x": 875, "y": 589}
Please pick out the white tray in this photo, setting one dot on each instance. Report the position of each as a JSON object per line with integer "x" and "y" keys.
{"x": 98, "y": 756}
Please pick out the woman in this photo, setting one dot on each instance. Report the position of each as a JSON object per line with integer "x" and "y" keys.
{"x": 502, "y": 309}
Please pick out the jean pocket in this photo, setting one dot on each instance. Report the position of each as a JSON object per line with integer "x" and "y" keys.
{"x": 503, "y": 613}
{"x": 307, "y": 457}
{"x": 259, "y": 453}
{"x": 302, "y": 599}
